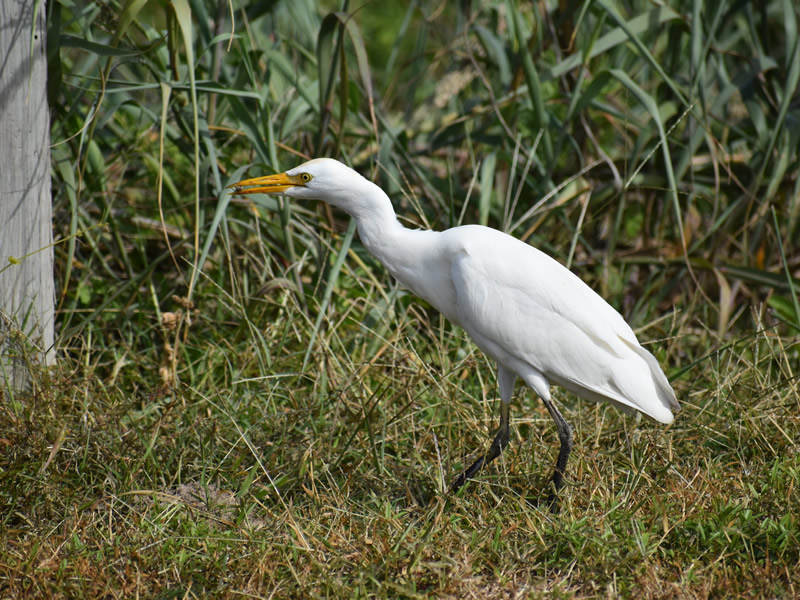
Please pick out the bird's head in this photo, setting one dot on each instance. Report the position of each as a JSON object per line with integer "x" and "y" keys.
{"x": 323, "y": 179}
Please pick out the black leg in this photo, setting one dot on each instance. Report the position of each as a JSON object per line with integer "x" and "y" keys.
{"x": 498, "y": 444}
{"x": 565, "y": 437}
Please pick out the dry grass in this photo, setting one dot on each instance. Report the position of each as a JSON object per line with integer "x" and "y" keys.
{"x": 271, "y": 487}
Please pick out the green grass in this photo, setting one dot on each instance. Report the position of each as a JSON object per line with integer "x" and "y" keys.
{"x": 268, "y": 425}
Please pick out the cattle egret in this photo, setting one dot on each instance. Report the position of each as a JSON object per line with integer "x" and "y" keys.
{"x": 529, "y": 313}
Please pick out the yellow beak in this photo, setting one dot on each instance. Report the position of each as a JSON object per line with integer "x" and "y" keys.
{"x": 270, "y": 184}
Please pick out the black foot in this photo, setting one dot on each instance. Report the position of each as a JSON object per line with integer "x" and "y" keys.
{"x": 549, "y": 502}
{"x": 499, "y": 442}
{"x": 467, "y": 475}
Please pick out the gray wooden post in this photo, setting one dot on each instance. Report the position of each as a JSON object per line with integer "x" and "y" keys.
{"x": 26, "y": 288}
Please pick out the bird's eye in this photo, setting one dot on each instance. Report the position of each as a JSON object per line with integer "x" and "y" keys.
{"x": 305, "y": 177}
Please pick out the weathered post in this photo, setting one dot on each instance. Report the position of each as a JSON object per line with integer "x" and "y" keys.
{"x": 26, "y": 254}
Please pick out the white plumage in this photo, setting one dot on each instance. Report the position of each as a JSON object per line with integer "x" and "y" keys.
{"x": 530, "y": 314}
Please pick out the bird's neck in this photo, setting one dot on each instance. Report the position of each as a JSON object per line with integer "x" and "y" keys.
{"x": 383, "y": 235}
{"x": 416, "y": 258}
{"x": 378, "y": 229}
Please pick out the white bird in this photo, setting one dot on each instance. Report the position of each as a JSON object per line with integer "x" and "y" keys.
{"x": 529, "y": 313}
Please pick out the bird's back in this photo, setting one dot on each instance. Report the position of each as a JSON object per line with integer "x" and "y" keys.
{"x": 529, "y": 312}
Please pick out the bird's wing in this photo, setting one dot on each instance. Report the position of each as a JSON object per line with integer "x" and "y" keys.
{"x": 526, "y": 310}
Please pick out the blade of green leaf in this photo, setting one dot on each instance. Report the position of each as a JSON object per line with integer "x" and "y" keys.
{"x": 487, "y": 187}
{"x": 183, "y": 14}
{"x": 788, "y": 275}
{"x": 70, "y": 41}
{"x": 333, "y": 278}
